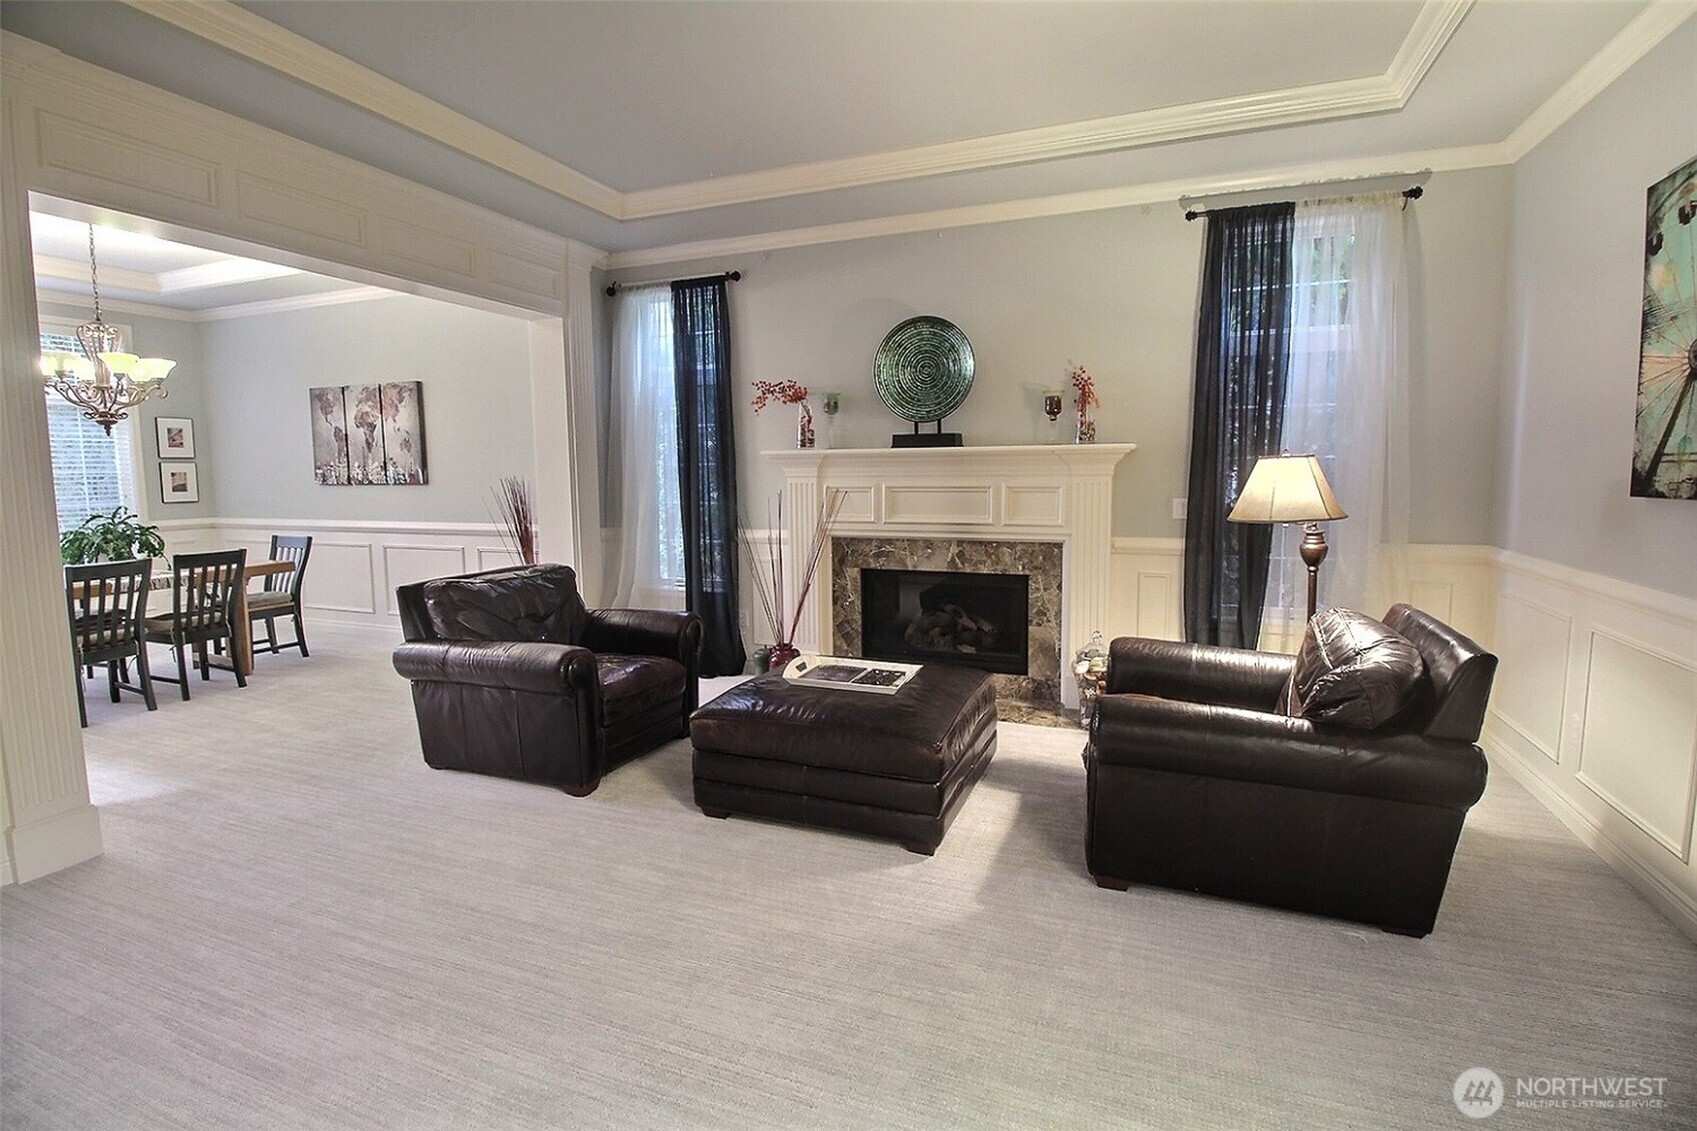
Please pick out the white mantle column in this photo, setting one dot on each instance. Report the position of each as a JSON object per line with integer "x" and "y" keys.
{"x": 48, "y": 821}
{"x": 1037, "y": 493}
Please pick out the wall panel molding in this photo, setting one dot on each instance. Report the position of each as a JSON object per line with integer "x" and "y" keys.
{"x": 1638, "y": 741}
{"x": 90, "y": 135}
{"x": 1530, "y": 692}
{"x": 355, "y": 565}
{"x": 1627, "y": 673}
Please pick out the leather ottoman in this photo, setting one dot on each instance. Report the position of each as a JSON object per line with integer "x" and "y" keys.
{"x": 896, "y": 766}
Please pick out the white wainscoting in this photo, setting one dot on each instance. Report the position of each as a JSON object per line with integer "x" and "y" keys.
{"x": 1146, "y": 589}
{"x": 355, "y": 566}
{"x": 1453, "y": 583}
{"x": 1595, "y": 712}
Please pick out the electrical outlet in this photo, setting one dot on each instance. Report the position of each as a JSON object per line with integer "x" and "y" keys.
{"x": 1180, "y": 507}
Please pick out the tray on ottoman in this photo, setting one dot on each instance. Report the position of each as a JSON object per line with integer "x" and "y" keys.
{"x": 896, "y": 766}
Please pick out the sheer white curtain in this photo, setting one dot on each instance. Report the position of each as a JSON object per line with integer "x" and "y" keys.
{"x": 642, "y": 436}
{"x": 1347, "y": 402}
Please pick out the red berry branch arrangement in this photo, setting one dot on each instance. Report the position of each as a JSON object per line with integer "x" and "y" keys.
{"x": 1085, "y": 385}
{"x": 787, "y": 392}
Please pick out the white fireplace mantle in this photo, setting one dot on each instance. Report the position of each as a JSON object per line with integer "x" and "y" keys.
{"x": 1035, "y": 492}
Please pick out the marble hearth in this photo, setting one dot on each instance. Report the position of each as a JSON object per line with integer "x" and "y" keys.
{"x": 1040, "y": 561}
{"x": 988, "y": 503}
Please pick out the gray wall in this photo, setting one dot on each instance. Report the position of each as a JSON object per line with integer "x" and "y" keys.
{"x": 476, "y": 372}
{"x": 1571, "y": 349}
{"x": 180, "y": 341}
{"x": 1115, "y": 291}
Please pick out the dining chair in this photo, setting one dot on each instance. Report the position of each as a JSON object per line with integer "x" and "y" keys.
{"x": 282, "y": 593}
{"x": 203, "y": 602}
{"x": 106, "y": 602}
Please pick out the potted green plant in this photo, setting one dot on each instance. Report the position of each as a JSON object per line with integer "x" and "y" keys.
{"x": 113, "y": 537}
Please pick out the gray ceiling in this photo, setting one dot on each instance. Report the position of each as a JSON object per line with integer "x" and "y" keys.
{"x": 640, "y": 95}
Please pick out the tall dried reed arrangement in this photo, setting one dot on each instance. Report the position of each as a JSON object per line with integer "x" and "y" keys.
{"x": 766, "y": 563}
{"x": 515, "y": 510}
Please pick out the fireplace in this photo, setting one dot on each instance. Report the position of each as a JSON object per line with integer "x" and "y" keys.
{"x": 1044, "y": 510}
{"x": 1011, "y": 571}
{"x": 977, "y": 620}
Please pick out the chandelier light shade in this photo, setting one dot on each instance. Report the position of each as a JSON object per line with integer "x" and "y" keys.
{"x": 1290, "y": 488}
{"x": 104, "y": 382}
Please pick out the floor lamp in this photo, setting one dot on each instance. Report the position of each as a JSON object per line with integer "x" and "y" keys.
{"x": 1292, "y": 489}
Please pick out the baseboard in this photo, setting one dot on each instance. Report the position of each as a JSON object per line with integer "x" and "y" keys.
{"x": 1676, "y": 905}
{"x": 47, "y": 846}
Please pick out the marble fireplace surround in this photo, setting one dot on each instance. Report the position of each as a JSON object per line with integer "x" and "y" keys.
{"x": 1040, "y": 561}
{"x": 1057, "y": 494}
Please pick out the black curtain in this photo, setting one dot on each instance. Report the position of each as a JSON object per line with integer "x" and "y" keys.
{"x": 707, "y": 468}
{"x": 1242, "y": 357}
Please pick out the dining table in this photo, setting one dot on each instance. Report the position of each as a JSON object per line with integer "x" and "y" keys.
{"x": 241, "y": 632}
{"x": 242, "y": 637}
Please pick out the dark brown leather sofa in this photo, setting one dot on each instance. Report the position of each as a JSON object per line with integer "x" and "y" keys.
{"x": 1197, "y": 779}
{"x": 513, "y": 676}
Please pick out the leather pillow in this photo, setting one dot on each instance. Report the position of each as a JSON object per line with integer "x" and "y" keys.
{"x": 536, "y": 603}
{"x": 1352, "y": 671}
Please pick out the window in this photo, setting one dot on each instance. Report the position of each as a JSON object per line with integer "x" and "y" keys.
{"x": 92, "y": 472}
{"x": 1346, "y": 401}
{"x": 643, "y": 451}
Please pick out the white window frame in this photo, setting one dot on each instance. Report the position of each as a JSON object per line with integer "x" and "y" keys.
{"x": 56, "y": 324}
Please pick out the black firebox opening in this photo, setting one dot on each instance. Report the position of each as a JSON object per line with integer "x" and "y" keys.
{"x": 979, "y": 620}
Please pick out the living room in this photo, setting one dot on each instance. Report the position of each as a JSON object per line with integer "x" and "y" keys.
{"x": 1528, "y": 238}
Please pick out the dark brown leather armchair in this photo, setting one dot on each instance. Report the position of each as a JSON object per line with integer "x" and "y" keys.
{"x": 1197, "y": 779}
{"x": 513, "y": 676}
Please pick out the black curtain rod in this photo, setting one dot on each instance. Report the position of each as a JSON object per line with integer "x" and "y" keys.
{"x": 728, "y": 276}
{"x": 1414, "y": 193}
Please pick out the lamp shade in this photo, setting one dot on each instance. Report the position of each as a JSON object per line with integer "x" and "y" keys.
{"x": 1286, "y": 489}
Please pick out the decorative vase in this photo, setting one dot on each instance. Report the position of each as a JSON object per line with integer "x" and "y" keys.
{"x": 804, "y": 425}
{"x": 780, "y": 656}
{"x": 1090, "y": 669}
{"x": 1086, "y": 427}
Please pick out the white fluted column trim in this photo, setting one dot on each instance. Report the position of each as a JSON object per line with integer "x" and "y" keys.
{"x": 49, "y": 823}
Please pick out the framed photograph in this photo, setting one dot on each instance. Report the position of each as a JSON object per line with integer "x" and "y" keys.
{"x": 179, "y": 483}
{"x": 176, "y": 437}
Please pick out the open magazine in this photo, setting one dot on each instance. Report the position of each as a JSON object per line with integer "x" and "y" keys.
{"x": 848, "y": 673}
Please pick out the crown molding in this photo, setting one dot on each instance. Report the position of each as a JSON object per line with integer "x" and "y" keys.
{"x": 114, "y": 306}
{"x": 1432, "y": 29}
{"x": 270, "y": 45}
{"x": 75, "y": 271}
{"x": 1096, "y": 200}
{"x": 255, "y": 38}
{"x": 1634, "y": 41}
{"x": 294, "y": 302}
{"x": 1433, "y": 26}
{"x": 221, "y": 273}
{"x": 219, "y": 313}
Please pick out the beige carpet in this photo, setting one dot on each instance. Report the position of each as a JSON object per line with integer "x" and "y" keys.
{"x": 297, "y": 924}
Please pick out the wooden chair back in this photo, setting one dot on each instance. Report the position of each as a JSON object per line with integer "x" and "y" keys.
{"x": 289, "y": 548}
{"x": 203, "y": 592}
{"x": 106, "y": 602}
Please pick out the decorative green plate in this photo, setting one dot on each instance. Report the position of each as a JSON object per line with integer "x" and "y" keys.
{"x": 923, "y": 370}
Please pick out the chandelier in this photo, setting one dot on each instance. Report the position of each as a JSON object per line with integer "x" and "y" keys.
{"x": 104, "y": 382}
